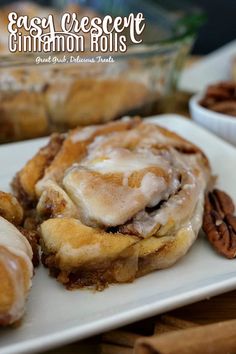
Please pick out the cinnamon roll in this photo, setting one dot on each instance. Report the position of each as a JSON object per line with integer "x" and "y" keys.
{"x": 16, "y": 271}
{"x": 118, "y": 201}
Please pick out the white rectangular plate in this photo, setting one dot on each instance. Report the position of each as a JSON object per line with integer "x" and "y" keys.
{"x": 56, "y": 316}
{"x": 214, "y": 67}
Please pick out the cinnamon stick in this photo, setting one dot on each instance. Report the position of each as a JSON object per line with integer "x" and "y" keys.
{"x": 118, "y": 337}
{"x": 167, "y": 323}
{"x": 215, "y": 338}
{"x": 115, "y": 349}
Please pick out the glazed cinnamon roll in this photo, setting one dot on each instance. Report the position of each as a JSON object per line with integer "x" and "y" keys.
{"x": 118, "y": 201}
{"x": 16, "y": 271}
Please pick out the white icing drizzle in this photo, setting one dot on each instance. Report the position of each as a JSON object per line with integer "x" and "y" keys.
{"x": 179, "y": 207}
{"x": 13, "y": 241}
{"x": 122, "y": 160}
{"x": 83, "y": 134}
{"x": 17, "y": 280}
{"x": 99, "y": 198}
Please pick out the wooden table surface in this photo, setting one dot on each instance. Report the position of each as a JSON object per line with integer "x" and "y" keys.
{"x": 218, "y": 308}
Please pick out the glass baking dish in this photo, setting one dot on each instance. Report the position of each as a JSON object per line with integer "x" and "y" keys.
{"x": 36, "y": 100}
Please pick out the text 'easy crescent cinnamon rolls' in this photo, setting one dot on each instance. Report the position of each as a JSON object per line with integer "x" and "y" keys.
{"x": 114, "y": 201}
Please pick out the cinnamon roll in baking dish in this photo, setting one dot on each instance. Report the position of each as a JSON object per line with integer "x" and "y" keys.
{"x": 116, "y": 201}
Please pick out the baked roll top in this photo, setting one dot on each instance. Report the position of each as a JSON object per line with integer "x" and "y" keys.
{"x": 135, "y": 177}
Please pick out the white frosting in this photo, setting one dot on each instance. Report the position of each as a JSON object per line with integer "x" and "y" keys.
{"x": 17, "y": 280}
{"x": 83, "y": 134}
{"x": 98, "y": 198}
{"x": 177, "y": 209}
{"x": 103, "y": 143}
{"x": 196, "y": 221}
{"x": 122, "y": 160}
{"x": 152, "y": 188}
{"x": 194, "y": 224}
{"x": 107, "y": 202}
{"x": 13, "y": 241}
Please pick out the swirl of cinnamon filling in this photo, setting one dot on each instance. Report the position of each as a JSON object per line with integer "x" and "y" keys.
{"x": 134, "y": 178}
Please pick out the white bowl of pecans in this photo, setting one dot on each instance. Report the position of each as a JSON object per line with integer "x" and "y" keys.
{"x": 215, "y": 109}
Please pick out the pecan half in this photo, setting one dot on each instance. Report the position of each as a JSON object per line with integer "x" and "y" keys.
{"x": 219, "y": 223}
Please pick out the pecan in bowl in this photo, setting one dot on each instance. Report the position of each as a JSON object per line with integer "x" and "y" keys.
{"x": 221, "y": 98}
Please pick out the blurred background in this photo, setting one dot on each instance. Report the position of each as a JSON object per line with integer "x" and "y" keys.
{"x": 220, "y": 27}
{"x": 36, "y": 100}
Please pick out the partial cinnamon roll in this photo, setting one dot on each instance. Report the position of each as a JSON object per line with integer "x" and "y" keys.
{"x": 118, "y": 201}
{"x": 12, "y": 211}
{"x": 10, "y": 208}
{"x": 16, "y": 271}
